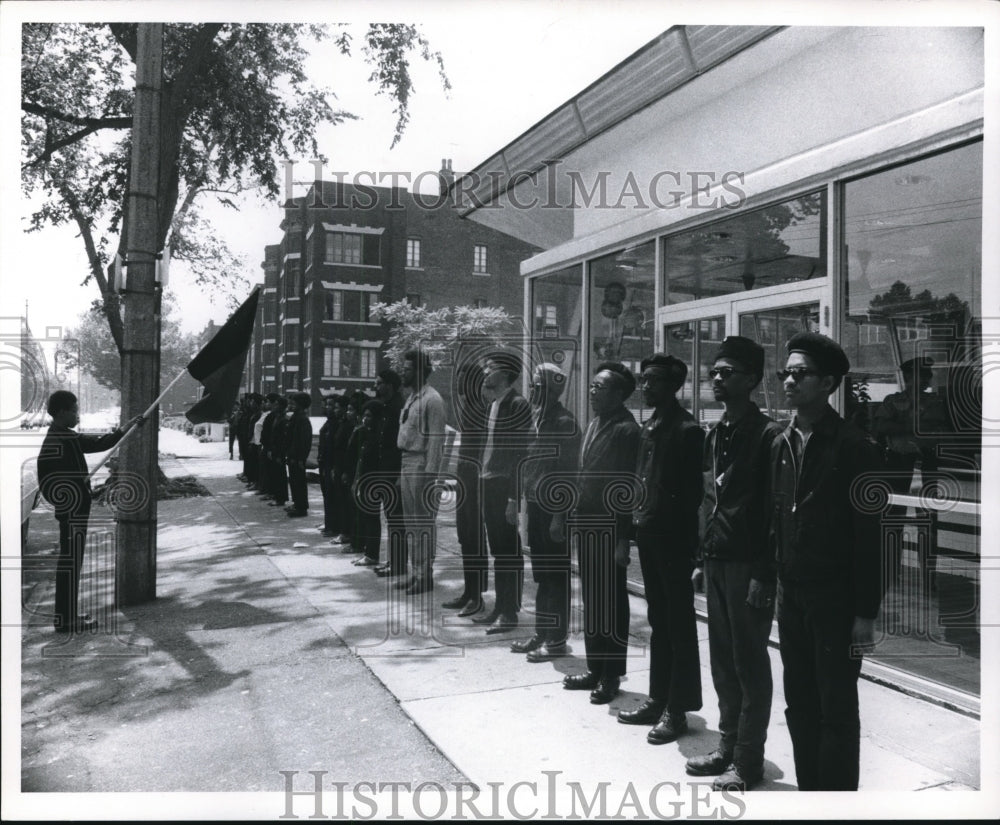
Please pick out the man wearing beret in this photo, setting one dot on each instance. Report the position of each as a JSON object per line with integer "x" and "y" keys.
{"x": 507, "y": 433}
{"x": 666, "y": 530}
{"x": 739, "y": 570}
{"x": 828, "y": 552}
{"x": 602, "y": 529}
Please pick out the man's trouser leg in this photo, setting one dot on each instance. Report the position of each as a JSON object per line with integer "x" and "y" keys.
{"x": 471, "y": 533}
{"x": 505, "y": 545}
{"x": 741, "y": 668}
{"x": 821, "y": 686}
{"x": 606, "y": 611}
{"x": 550, "y": 570}
{"x": 419, "y": 517}
{"x": 69, "y": 565}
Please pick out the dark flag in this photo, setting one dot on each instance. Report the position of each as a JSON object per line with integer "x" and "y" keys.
{"x": 219, "y": 365}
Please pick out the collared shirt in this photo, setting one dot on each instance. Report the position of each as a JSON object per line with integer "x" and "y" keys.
{"x": 421, "y": 427}
{"x": 258, "y": 428}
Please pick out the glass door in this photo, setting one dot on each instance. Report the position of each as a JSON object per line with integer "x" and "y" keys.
{"x": 693, "y": 333}
{"x": 772, "y": 328}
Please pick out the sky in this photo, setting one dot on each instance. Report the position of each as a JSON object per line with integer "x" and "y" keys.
{"x": 508, "y": 67}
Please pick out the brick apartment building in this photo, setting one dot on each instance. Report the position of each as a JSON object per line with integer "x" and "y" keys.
{"x": 346, "y": 247}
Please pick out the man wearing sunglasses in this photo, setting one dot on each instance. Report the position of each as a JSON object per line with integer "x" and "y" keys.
{"x": 827, "y": 540}
{"x": 739, "y": 574}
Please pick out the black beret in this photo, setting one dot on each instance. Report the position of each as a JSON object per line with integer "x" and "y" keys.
{"x": 391, "y": 377}
{"x": 922, "y": 363}
{"x": 749, "y": 353}
{"x": 375, "y": 407}
{"x": 619, "y": 369}
{"x": 505, "y": 360}
{"x": 674, "y": 367}
{"x": 829, "y": 357}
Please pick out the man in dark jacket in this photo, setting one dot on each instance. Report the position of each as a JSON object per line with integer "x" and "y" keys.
{"x": 64, "y": 482}
{"x": 333, "y": 408}
{"x": 828, "y": 549}
{"x": 601, "y": 527}
{"x": 299, "y": 445}
{"x": 739, "y": 570}
{"x": 471, "y": 414}
{"x": 507, "y": 433}
{"x": 278, "y": 481}
{"x": 387, "y": 390}
{"x": 666, "y": 530}
{"x": 552, "y": 456}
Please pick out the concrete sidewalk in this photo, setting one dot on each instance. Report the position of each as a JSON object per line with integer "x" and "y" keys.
{"x": 267, "y": 650}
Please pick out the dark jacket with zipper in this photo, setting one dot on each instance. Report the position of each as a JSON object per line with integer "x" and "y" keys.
{"x": 736, "y": 503}
{"x": 669, "y": 466}
{"x": 824, "y": 529}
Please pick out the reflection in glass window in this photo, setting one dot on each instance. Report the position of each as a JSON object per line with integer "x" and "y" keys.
{"x": 557, "y": 330}
{"x": 622, "y": 295}
{"x": 779, "y": 244}
{"x": 911, "y": 325}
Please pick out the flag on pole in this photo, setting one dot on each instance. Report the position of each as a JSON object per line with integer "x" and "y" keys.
{"x": 219, "y": 365}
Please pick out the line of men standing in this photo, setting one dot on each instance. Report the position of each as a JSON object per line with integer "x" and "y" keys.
{"x": 766, "y": 518}
{"x": 769, "y": 518}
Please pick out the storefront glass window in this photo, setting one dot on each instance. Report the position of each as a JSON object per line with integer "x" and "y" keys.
{"x": 622, "y": 295}
{"x": 779, "y": 244}
{"x": 911, "y": 325}
{"x": 556, "y": 332}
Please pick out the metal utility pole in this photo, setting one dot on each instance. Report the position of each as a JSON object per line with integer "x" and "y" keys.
{"x": 136, "y": 545}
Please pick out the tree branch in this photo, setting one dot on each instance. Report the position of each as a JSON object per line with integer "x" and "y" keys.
{"x": 112, "y": 309}
{"x": 106, "y": 122}
{"x": 125, "y": 34}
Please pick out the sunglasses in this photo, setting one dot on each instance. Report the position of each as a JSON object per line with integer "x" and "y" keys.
{"x": 725, "y": 373}
{"x": 796, "y": 375}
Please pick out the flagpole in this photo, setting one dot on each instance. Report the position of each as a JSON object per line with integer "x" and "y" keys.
{"x": 131, "y": 430}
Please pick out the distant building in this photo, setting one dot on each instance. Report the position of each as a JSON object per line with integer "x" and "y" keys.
{"x": 347, "y": 247}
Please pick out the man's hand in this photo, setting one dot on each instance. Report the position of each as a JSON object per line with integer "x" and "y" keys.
{"x": 511, "y": 511}
{"x": 623, "y": 553}
{"x": 862, "y": 636}
{"x": 138, "y": 421}
{"x": 557, "y": 529}
{"x": 698, "y": 580}
{"x": 760, "y": 594}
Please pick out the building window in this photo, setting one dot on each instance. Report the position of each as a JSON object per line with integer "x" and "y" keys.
{"x": 479, "y": 260}
{"x": 349, "y": 362}
{"x": 291, "y": 278}
{"x": 413, "y": 252}
{"x": 334, "y": 305}
{"x": 413, "y": 299}
{"x": 368, "y": 363}
{"x": 348, "y": 305}
{"x": 350, "y": 248}
{"x": 546, "y": 316}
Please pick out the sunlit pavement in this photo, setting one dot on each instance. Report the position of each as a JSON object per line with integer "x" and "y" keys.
{"x": 266, "y": 650}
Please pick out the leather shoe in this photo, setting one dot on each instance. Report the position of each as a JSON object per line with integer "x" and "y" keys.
{"x": 738, "y": 779}
{"x": 669, "y": 728}
{"x": 387, "y": 572}
{"x": 456, "y": 603}
{"x": 581, "y": 681}
{"x": 504, "y": 624}
{"x": 709, "y": 764}
{"x": 606, "y": 690}
{"x": 526, "y": 645}
{"x": 547, "y": 652}
{"x": 648, "y": 713}
{"x": 82, "y": 624}
{"x": 489, "y": 618}
{"x": 473, "y": 607}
